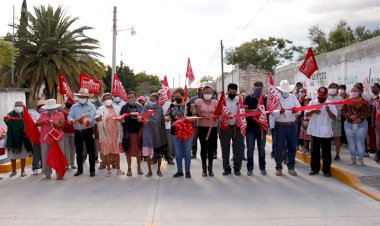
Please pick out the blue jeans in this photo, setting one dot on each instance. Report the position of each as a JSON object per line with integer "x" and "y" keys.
{"x": 182, "y": 149}
{"x": 253, "y": 135}
{"x": 286, "y": 137}
{"x": 356, "y": 138}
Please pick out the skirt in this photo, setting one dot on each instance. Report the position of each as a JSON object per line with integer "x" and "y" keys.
{"x": 304, "y": 135}
{"x": 134, "y": 145}
{"x": 23, "y": 154}
{"x": 337, "y": 128}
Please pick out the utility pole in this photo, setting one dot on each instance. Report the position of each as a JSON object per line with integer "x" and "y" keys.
{"x": 173, "y": 82}
{"x": 114, "y": 33}
{"x": 221, "y": 55}
{"x": 13, "y": 49}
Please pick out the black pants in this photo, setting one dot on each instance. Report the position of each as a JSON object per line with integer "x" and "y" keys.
{"x": 316, "y": 154}
{"x": 208, "y": 148}
{"x": 85, "y": 136}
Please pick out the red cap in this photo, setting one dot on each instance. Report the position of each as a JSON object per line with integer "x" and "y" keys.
{"x": 322, "y": 90}
{"x": 200, "y": 88}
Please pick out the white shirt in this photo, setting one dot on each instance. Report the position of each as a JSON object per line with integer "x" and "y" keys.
{"x": 165, "y": 109}
{"x": 272, "y": 122}
{"x": 320, "y": 125}
{"x": 120, "y": 104}
{"x": 232, "y": 107}
{"x": 287, "y": 103}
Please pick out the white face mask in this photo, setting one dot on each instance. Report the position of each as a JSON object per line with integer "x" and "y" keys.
{"x": 108, "y": 102}
{"x": 19, "y": 110}
{"x": 341, "y": 91}
{"x": 301, "y": 95}
{"x": 207, "y": 96}
{"x": 332, "y": 92}
{"x": 116, "y": 99}
{"x": 82, "y": 100}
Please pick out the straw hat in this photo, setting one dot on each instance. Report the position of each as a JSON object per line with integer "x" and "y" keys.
{"x": 83, "y": 92}
{"x": 51, "y": 104}
{"x": 41, "y": 103}
{"x": 285, "y": 87}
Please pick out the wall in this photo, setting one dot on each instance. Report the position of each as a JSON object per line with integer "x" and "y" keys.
{"x": 349, "y": 65}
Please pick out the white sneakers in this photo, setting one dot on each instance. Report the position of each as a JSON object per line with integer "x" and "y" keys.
{"x": 35, "y": 172}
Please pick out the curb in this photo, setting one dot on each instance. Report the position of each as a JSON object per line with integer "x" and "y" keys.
{"x": 7, "y": 167}
{"x": 342, "y": 174}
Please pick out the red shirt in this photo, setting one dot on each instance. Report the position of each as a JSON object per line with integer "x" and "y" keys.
{"x": 68, "y": 128}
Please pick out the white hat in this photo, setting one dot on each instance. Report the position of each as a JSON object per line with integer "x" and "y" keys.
{"x": 285, "y": 87}
{"x": 51, "y": 104}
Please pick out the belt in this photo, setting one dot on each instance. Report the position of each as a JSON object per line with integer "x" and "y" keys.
{"x": 285, "y": 123}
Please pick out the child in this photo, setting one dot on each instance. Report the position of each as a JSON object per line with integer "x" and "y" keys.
{"x": 303, "y": 135}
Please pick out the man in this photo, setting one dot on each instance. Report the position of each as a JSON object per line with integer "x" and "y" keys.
{"x": 232, "y": 133}
{"x": 194, "y": 146}
{"x": 333, "y": 96}
{"x": 286, "y": 127}
{"x": 254, "y": 131}
{"x": 118, "y": 101}
{"x": 37, "y": 157}
{"x": 141, "y": 100}
{"x": 81, "y": 116}
{"x": 320, "y": 128}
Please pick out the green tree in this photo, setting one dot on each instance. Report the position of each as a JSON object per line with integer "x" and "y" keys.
{"x": 50, "y": 45}
{"x": 147, "y": 83}
{"x": 341, "y": 35}
{"x": 125, "y": 74}
{"x": 207, "y": 79}
{"x": 318, "y": 40}
{"x": 262, "y": 53}
{"x": 6, "y": 62}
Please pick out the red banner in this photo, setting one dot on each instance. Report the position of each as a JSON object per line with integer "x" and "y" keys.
{"x": 222, "y": 112}
{"x": 241, "y": 122}
{"x": 31, "y": 130}
{"x": 273, "y": 99}
{"x": 164, "y": 92}
{"x": 118, "y": 88}
{"x": 93, "y": 85}
{"x": 262, "y": 117}
{"x": 189, "y": 73}
{"x": 309, "y": 66}
{"x": 64, "y": 88}
{"x": 56, "y": 159}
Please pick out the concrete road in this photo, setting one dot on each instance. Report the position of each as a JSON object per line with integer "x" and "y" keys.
{"x": 230, "y": 200}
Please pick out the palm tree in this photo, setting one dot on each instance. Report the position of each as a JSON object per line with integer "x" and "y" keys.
{"x": 49, "y": 46}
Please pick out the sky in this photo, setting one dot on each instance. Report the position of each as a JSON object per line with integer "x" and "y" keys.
{"x": 170, "y": 31}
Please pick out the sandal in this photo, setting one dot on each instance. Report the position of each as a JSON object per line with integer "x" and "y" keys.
{"x": 159, "y": 174}
{"x": 140, "y": 172}
{"x": 120, "y": 172}
{"x": 23, "y": 174}
{"x": 109, "y": 173}
{"x": 149, "y": 174}
{"x": 129, "y": 173}
{"x": 13, "y": 174}
{"x": 47, "y": 177}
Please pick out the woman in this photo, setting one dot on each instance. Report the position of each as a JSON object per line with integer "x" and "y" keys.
{"x": 356, "y": 125}
{"x": 110, "y": 131}
{"x": 336, "y": 124}
{"x": 68, "y": 134}
{"x": 50, "y": 119}
{"x": 18, "y": 145}
{"x": 182, "y": 148}
{"x": 375, "y": 117}
{"x": 206, "y": 107}
{"x": 154, "y": 134}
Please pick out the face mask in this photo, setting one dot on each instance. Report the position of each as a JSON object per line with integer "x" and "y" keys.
{"x": 207, "y": 96}
{"x": 82, "y": 100}
{"x": 68, "y": 105}
{"x": 232, "y": 96}
{"x": 152, "y": 104}
{"x": 51, "y": 111}
{"x": 178, "y": 100}
{"x": 108, "y": 102}
{"x": 257, "y": 93}
{"x": 284, "y": 95}
{"x": 302, "y": 95}
{"x": 116, "y": 99}
{"x": 375, "y": 91}
{"x": 354, "y": 95}
{"x": 321, "y": 99}
{"x": 332, "y": 92}
{"x": 19, "y": 110}
{"x": 341, "y": 91}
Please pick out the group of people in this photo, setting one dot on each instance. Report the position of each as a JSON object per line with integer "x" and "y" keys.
{"x": 146, "y": 130}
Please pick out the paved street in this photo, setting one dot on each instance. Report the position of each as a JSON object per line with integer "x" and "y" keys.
{"x": 231, "y": 200}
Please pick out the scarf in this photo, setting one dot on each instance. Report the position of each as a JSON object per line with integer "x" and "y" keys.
{"x": 16, "y": 134}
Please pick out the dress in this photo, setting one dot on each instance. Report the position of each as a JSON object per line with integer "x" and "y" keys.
{"x": 111, "y": 146}
{"x": 147, "y": 142}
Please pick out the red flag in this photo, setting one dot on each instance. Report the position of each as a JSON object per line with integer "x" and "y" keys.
{"x": 241, "y": 122}
{"x": 31, "y": 129}
{"x": 118, "y": 88}
{"x": 273, "y": 99}
{"x": 189, "y": 73}
{"x": 186, "y": 96}
{"x": 221, "y": 111}
{"x": 262, "y": 118}
{"x": 93, "y": 85}
{"x": 64, "y": 88}
{"x": 56, "y": 159}
{"x": 309, "y": 66}
{"x": 164, "y": 92}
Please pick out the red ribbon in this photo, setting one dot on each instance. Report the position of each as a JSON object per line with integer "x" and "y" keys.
{"x": 318, "y": 106}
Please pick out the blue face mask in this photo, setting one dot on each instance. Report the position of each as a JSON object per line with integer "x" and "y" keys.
{"x": 82, "y": 100}
{"x": 151, "y": 104}
{"x": 284, "y": 95}
{"x": 257, "y": 93}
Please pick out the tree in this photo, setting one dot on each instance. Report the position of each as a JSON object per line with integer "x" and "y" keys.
{"x": 50, "y": 45}
{"x": 341, "y": 36}
{"x": 6, "y": 62}
{"x": 207, "y": 79}
{"x": 265, "y": 54}
{"x": 147, "y": 83}
{"x": 126, "y": 76}
{"x": 318, "y": 40}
